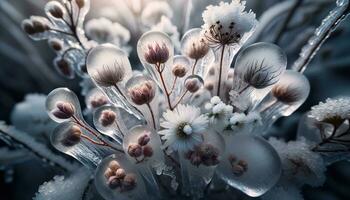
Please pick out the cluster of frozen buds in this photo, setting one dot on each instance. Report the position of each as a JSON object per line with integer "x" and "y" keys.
{"x": 188, "y": 111}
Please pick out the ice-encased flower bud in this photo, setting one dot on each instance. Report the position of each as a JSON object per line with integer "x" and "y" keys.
{"x": 142, "y": 93}
{"x": 129, "y": 181}
{"x": 114, "y": 165}
{"x": 56, "y": 44}
{"x": 72, "y": 136}
{"x": 107, "y": 117}
{"x": 179, "y": 70}
{"x": 135, "y": 150}
{"x": 197, "y": 48}
{"x": 147, "y": 151}
{"x": 120, "y": 173}
{"x": 63, "y": 110}
{"x": 157, "y": 54}
{"x": 193, "y": 83}
{"x": 56, "y": 10}
{"x": 80, "y": 3}
{"x": 144, "y": 139}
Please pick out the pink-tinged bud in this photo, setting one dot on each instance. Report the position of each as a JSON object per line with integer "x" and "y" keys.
{"x": 114, "y": 165}
{"x": 129, "y": 181}
{"x": 63, "y": 110}
{"x": 147, "y": 151}
{"x": 135, "y": 150}
{"x": 120, "y": 173}
{"x": 108, "y": 173}
{"x": 143, "y": 140}
{"x": 142, "y": 93}
{"x": 98, "y": 101}
{"x": 107, "y": 117}
{"x": 157, "y": 54}
{"x": 192, "y": 85}
{"x": 72, "y": 136}
{"x": 80, "y": 3}
{"x": 114, "y": 182}
{"x": 179, "y": 70}
{"x": 197, "y": 48}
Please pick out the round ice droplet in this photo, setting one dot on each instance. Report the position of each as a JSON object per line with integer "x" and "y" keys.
{"x": 193, "y": 83}
{"x": 156, "y": 51}
{"x": 62, "y": 105}
{"x": 108, "y": 65}
{"x": 260, "y": 65}
{"x": 68, "y": 138}
{"x": 250, "y": 164}
{"x": 117, "y": 178}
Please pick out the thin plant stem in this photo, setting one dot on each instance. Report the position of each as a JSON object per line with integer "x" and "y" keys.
{"x": 220, "y": 69}
{"x": 167, "y": 94}
{"x": 194, "y": 66}
{"x": 152, "y": 115}
{"x": 180, "y": 99}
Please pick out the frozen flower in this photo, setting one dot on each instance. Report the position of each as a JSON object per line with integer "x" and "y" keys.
{"x": 179, "y": 70}
{"x": 153, "y": 12}
{"x": 183, "y": 127}
{"x": 157, "y": 54}
{"x": 300, "y": 165}
{"x": 240, "y": 102}
{"x": 254, "y": 117}
{"x": 333, "y": 111}
{"x": 218, "y": 112}
{"x": 63, "y": 110}
{"x": 109, "y": 75}
{"x": 286, "y": 94}
{"x": 72, "y": 136}
{"x": 55, "y": 9}
{"x": 193, "y": 84}
{"x": 107, "y": 117}
{"x": 238, "y": 120}
{"x": 56, "y": 44}
{"x": 227, "y": 23}
{"x": 197, "y": 48}
{"x": 142, "y": 93}
{"x": 103, "y": 30}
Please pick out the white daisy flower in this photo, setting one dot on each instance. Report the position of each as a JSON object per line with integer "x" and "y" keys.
{"x": 333, "y": 111}
{"x": 183, "y": 128}
{"x": 227, "y": 18}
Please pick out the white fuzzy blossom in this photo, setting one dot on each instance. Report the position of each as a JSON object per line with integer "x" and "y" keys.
{"x": 183, "y": 128}
{"x": 30, "y": 116}
{"x": 103, "y": 30}
{"x": 153, "y": 12}
{"x": 218, "y": 112}
{"x": 332, "y": 108}
{"x": 300, "y": 165}
{"x": 230, "y": 16}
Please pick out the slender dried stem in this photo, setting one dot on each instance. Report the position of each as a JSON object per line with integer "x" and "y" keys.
{"x": 167, "y": 94}
{"x": 152, "y": 115}
{"x": 220, "y": 69}
{"x": 194, "y": 66}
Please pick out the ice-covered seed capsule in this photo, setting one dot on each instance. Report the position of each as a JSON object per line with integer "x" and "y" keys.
{"x": 56, "y": 44}
{"x": 63, "y": 67}
{"x": 260, "y": 65}
{"x": 64, "y": 110}
{"x": 107, "y": 117}
{"x": 129, "y": 181}
{"x": 135, "y": 150}
{"x": 147, "y": 151}
{"x": 109, "y": 172}
{"x": 144, "y": 139}
{"x": 179, "y": 70}
{"x": 157, "y": 53}
{"x": 194, "y": 45}
{"x": 72, "y": 136}
{"x": 80, "y": 3}
{"x": 120, "y": 173}
{"x": 142, "y": 93}
{"x": 55, "y": 9}
{"x": 114, "y": 165}
{"x": 193, "y": 83}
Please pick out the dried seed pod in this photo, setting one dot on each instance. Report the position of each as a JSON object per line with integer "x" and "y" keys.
{"x": 179, "y": 70}
{"x": 144, "y": 139}
{"x": 114, "y": 165}
{"x": 107, "y": 117}
{"x": 147, "y": 151}
{"x": 120, "y": 173}
{"x": 64, "y": 110}
{"x": 135, "y": 150}
{"x": 72, "y": 136}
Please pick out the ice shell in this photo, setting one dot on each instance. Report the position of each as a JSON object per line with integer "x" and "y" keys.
{"x": 62, "y": 95}
{"x": 106, "y": 192}
{"x": 262, "y": 162}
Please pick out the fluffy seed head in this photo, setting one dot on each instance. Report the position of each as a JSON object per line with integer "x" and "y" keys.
{"x": 286, "y": 94}
{"x": 157, "y": 54}
{"x": 109, "y": 76}
{"x": 197, "y": 48}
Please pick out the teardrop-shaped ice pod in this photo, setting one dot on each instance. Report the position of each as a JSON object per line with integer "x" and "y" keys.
{"x": 257, "y": 68}
{"x": 156, "y": 51}
{"x": 108, "y": 120}
{"x": 198, "y": 165}
{"x": 75, "y": 141}
{"x": 192, "y": 84}
{"x": 117, "y": 178}
{"x": 57, "y": 14}
{"x": 250, "y": 164}
{"x": 287, "y": 95}
{"x": 181, "y": 69}
{"x": 143, "y": 148}
{"x": 109, "y": 68}
{"x": 63, "y": 105}
{"x": 142, "y": 92}
{"x": 95, "y": 98}
{"x": 195, "y": 47}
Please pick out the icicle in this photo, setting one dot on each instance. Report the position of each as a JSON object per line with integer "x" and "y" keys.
{"x": 322, "y": 33}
